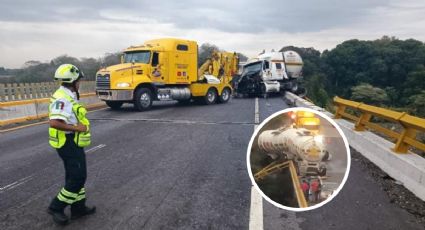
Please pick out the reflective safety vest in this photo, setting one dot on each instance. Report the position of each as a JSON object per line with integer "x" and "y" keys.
{"x": 57, "y": 137}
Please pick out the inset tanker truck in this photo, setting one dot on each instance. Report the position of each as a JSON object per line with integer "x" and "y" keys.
{"x": 301, "y": 145}
{"x": 271, "y": 72}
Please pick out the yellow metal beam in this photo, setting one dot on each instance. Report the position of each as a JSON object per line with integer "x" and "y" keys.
{"x": 271, "y": 168}
{"x": 302, "y": 203}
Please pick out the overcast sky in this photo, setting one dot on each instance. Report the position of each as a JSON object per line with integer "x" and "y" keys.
{"x": 44, "y": 29}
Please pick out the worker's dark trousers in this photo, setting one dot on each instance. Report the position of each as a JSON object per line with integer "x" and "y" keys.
{"x": 74, "y": 159}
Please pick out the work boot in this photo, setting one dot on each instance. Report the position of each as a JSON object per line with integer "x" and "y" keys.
{"x": 56, "y": 209}
{"x": 59, "y": 217}
{"x": 83, "y": 212}
{"x": 79, "y": 209}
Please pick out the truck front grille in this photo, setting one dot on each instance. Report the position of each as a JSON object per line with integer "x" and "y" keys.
{"x": 103, "y": 81}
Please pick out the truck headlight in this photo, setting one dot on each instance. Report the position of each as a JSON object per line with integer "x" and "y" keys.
{"x": 123, "y": 84}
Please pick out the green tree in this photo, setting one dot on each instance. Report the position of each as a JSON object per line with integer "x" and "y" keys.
{"x": 368, "y": 94}
{"x": 242, "y": 57}
{"x": 316, "y": 90}
{"x": 417, "y": 104}
{"x": 110, "y": 59}
{"x": 205, "y": 51}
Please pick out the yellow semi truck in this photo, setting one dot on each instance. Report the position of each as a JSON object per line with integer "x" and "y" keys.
{"x": 166, "y": 69}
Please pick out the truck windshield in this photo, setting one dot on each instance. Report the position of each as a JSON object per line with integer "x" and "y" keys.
{"x": 139, "y": 57}
{"x": 252, "y": 67}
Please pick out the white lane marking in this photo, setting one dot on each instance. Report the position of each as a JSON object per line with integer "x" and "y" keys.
{"x": 256, "y": 208}
{"x": 95, "y": 148}
{"x": 15, "y": 184}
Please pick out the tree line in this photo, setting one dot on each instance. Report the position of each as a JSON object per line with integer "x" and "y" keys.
{"x": 386, "y": 72}
{"x": 36, "y": 71}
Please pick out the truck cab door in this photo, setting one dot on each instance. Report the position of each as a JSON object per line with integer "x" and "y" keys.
{"x": 278, "y": 70}
{"x": 183, "y": 58}
{"x": 159, "y": 67}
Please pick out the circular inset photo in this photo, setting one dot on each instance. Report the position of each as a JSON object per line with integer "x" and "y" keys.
{"x": 298, "y": 159}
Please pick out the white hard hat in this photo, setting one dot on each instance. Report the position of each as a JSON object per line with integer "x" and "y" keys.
{"x": 68, "y": 73}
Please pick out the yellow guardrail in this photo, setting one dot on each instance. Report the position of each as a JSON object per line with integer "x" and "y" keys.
{"x": 406, "y": 138}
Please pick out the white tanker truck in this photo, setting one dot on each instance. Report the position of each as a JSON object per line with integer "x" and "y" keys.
{"x": 271, "y": 72}
{"x": 298, "y": 144}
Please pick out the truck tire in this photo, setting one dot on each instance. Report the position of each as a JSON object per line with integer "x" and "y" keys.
{"x": 225, "y": 95}
{"x": 294, "y": 87}
{"x": 143, "y": 99}
{"x": 115, "y": 105}
{"x": 211, "y": 96}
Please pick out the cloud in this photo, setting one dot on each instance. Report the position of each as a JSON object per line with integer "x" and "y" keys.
{"x": 223, "y": 15}
{"x": 42, "y": 31}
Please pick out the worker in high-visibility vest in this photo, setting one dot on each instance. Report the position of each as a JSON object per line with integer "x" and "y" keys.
{"x": 69, "y": 133}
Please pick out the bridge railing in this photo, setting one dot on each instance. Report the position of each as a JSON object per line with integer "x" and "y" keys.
{"x": 26, "y": 91}
{"x": 405, "y": 139}
{"x": 29, "y": 101}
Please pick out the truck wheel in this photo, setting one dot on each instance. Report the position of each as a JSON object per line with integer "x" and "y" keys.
{"x": 143, "y": 99}
{"x": 210, "y": 97}
{"x": 294, "y": 88}
{"x": 114, "y": 104}
{"x": 225, "y": 95}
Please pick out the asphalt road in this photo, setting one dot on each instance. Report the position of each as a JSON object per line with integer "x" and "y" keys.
{"x": 337, "y": 165}
{"x": 174, "y": 167}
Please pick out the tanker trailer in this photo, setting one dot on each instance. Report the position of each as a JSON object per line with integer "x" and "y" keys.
{"x": 298, "y": 144}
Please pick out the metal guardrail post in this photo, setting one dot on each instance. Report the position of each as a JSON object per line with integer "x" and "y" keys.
{"x": 361, "y": 123}
{"x": 339, "y": 111}
{"x": 401, "y": 146}
{"x": 2, "y": 93}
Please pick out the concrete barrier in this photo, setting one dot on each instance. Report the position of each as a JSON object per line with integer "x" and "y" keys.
{"x": 26, "y": 110}
{"x": 409, "y": 168}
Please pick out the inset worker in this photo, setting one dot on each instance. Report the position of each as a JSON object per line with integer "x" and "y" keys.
{"x": 315, "y": 188}
{"x": 305, "y": 187}
{"x": 69, "y": 133}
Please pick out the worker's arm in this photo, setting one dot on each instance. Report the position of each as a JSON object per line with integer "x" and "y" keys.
{"x": 61, "y": 125}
